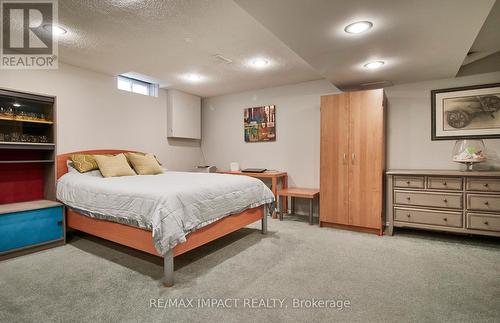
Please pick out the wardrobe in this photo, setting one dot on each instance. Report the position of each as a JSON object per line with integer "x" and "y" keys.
{"x": 352, "y": 161}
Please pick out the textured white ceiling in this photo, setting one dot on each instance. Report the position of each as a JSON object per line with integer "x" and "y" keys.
{"x": 166, "y": 39}
{"x": 418, "y": 39}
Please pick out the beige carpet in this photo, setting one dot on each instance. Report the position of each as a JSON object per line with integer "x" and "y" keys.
{"x": 412, "y": 276}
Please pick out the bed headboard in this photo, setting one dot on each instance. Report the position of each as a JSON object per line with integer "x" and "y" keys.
{"x": 62, "y": 168}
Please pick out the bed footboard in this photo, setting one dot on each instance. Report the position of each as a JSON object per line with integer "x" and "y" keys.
{"x": 141, "y": 239}
{"x": 168, "y": 259}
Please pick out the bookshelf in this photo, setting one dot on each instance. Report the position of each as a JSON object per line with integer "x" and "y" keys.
{"x": 30, "y": 217}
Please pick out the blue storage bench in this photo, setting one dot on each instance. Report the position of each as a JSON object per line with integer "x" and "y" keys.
{"x": 30, "y": 224}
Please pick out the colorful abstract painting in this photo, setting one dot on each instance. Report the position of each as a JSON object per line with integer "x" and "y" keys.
{"x": 260, "y": 124}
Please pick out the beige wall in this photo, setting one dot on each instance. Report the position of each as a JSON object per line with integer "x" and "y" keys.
{"x": 409, "y": 124}
{"x": 93, "y": 114}
{"x": 296, "y": 149}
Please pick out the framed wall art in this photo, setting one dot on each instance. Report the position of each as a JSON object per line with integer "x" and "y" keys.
{"x": 260, "y": 124}
{"x": 466, "y": 112}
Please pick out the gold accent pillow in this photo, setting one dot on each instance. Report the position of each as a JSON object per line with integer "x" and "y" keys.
{"x": 84, "y": 163}
{"x": 142, "y": 154}
{"x": 113, "y": 166}
{"x": 144, "y": 164}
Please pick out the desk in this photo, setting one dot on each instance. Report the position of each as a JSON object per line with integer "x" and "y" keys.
{"x": 274, "y": 176}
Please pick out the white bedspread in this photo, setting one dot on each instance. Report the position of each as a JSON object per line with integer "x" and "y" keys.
{"x": 172, "y": 204}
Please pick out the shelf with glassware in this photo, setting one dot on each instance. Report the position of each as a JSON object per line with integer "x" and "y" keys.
{"x": 19, "y": 118}
{"x": 27, "y": 122}
{"x": 27, "y": 174}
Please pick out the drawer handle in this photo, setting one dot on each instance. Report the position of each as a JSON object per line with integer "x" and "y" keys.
{"x": 445, "y": 183}
{"x": 408, "y": 198}
{"x": 485, "y": 222}
{"x": 408, "y": 215}
{"x": 485, "y": 185}
{"x": 408, "y": 182}
{"x": 445, "y": 201}
{"x": 445, "y": 219}
{"x": 59, "y": 223}
{"x": 486, "y": 203}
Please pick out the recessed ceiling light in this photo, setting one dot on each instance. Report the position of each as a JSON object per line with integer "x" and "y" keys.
{"x": 193, "y": 77}
{"x": 259, "y": 62}
{"x": 374, "y": 64}
{"x": 17, "y": 105}
{"x": 358, "y": 27}
{"x": 56, "y": 30}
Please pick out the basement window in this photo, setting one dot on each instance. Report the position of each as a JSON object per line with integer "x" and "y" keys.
{"x": 136, "y": 86}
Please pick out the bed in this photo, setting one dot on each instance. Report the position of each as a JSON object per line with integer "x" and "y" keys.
{"x": 165, "y": 215}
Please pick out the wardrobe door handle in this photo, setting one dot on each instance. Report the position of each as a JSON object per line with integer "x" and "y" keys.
{"x": 353, "y": 156}
{"x": 344, "y": 156}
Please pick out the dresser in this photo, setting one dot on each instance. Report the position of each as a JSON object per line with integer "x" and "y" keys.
{"x": 443, "y": 200}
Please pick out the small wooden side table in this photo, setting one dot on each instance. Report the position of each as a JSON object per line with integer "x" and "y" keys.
{"x": 308, "y": 193}
{"x": 274, "y": 176}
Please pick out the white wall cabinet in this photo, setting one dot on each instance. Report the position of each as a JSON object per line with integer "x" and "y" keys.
{"x": 183, "y": 115}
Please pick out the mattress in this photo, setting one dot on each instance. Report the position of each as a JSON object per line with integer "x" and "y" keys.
{"x": 171, "y": 204}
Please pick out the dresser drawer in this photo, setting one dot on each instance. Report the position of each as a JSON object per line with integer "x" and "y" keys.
{"x": 483, "y": 184}
{"x": 443, "y": 218}
{"x": 444, "y": 183}
{"x": 442, "y": 200}
{"x": 483, "y": 202}
{"x": 22, "y": 229}
{"x": 409, "y": 181}
{"x": 488, "y": 222}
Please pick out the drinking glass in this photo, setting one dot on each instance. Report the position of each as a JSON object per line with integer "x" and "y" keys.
{"x": 9, "y": 112}
{"x": 16, "y": 136}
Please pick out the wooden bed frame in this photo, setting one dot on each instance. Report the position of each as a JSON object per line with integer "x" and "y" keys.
{"x": 142, "y": 239}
